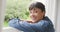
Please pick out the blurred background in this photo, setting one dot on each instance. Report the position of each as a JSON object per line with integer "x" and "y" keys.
{"x": 16, "y": 8}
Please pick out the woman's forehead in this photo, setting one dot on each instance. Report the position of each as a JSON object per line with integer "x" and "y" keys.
{"x": 35, "y": 9}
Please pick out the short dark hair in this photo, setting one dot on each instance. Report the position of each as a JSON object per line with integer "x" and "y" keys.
{"x": 37, "y": 5}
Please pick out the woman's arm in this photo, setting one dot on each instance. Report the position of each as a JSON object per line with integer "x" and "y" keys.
{"x": 20, "y": 25}
{"x": 43, "y": 26}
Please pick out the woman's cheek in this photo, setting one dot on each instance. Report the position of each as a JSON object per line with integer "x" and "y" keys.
{"x": 35, "y": 14}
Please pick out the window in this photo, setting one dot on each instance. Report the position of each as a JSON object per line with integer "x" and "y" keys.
{"x": 14, "y": 9}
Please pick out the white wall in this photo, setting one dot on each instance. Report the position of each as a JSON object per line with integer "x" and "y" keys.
{"x": 2, "y": 5}
{"x": 58, "y": 16}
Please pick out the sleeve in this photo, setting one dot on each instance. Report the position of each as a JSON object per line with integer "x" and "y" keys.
{"x": 42, "y": 26}
{"x": 20, "y": 25}
{"x": 14, "y": 23}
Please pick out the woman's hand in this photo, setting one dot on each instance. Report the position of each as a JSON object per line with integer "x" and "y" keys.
{"x": 29, "y": 21}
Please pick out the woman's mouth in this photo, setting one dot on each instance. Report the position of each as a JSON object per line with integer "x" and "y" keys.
{"x": 33, "y": 18}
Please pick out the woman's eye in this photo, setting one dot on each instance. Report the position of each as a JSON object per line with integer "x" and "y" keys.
{"x": 36, "y": 11}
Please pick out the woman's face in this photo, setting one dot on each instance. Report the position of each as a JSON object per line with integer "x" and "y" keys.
{"x": 36, "y": 14}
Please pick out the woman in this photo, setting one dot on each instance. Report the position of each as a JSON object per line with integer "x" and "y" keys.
{"x": 39, "y": 22}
